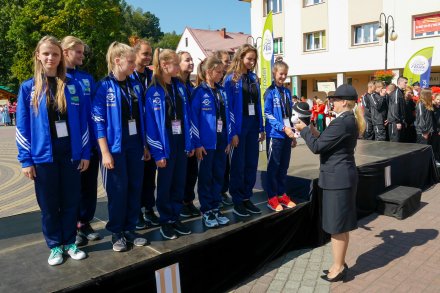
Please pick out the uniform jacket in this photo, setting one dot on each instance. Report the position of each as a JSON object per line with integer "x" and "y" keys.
{"x": 366, "y": 100}
{"x": 145, "y": 85}
{"x": 33, "y": 136}
{"x": 203, "y": 117}
{"x": 396, "y": 107}
{"x": 157, "y": 136}
{"x": 273, "y": 111}
{"x": 107, "y": 111}
{"x": 335, "y": 146}
{"x": 88, "y": 86}
{"x": 234, "y": 91}
{"x": 424, "y": 119}
{"x": 378, "y": 108}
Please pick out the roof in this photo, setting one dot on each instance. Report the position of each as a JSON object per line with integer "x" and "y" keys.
{"x": 210, "y": 41}
{"x": 7, "y": 89}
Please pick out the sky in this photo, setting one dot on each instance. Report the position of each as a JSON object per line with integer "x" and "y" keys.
{"x": 175, "y": 15}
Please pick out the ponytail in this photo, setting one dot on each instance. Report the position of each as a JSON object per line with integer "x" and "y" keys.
{"x": 209, "y": 63}
{"x": 166, "y": 55}
{"x": 360, "y": 121}
{"x": 201, "y": 74}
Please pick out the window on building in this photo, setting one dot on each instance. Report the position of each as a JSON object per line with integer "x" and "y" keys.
{"x": 365, "y": 33}
{"x": 426, "y": 25}
{"x": 278, "y": 46}
{"x": 276, "y": 6}
{"x": 186, "y": 42}
{"x": 312, "y": 2}
{"x": 315, "y": 41}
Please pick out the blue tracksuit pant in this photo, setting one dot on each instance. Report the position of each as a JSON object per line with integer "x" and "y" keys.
{"x": 149, "y": 185}
{"x": 171, "y": 180}
{"x": 211, "y": 175}
{"x": 123, "y": 184}
{"x": 278, "y": 159}
{"x": 244, "y": 161}
{"x": 57, "y": 187}
{"x": 89, "y": 189}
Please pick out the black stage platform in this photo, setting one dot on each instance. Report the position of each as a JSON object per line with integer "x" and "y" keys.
{"x": 211, "y": 260}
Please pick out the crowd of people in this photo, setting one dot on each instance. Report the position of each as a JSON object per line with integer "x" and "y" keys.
{"x": 7, "y": 114}
{"x": 149, "y": 131}
{"x": 403, "y": 113}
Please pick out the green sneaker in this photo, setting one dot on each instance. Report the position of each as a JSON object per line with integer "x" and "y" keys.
{"x": 56, "y": 256}
{"x": 73, "y": 251}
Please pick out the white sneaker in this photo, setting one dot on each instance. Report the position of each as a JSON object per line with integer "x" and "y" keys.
{"x": 73, "y": 251}
{"x": 56, "y": 256}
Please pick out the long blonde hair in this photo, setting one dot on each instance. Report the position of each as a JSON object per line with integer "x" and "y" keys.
{"x": 165, "y": 55}
{"x": 117, "y": 50}
{"x": 69, "y": 42}
{"x": 208, "y": 63}
{"x": 40, "y": 79}
{"x": 360, "y": 121}
{"x": 426, "y": 99}
{"x": 237, "y": 65}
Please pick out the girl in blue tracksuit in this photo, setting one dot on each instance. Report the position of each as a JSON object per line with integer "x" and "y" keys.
{"x": 168, "y": 135}
{"x": 278, "y": 113}
{"x": 118, "y": 115}
{"x": 186, "y": 65}
{"x": 243, "y": 91}
{"x": 73, "y": 50}
{"x": 53, "y": 146}
{"x": 144, "y": 75}
{"x": 210, "y": 121}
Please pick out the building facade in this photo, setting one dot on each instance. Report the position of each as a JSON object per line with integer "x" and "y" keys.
{"x": 335, "y": 40}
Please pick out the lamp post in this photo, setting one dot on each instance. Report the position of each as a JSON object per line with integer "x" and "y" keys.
{"x": 254, "y": 42}
{"x": 380, "y": 32}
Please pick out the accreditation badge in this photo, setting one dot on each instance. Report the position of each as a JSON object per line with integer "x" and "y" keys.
{"x": 132, "y": 130}
{"x": 219, "y": 125}
{"x": 176, "y": 126}
{"x": 61, "y": 128}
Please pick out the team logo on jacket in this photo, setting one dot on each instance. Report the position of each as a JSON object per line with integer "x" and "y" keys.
{"x": 74, "y": 100}
{"x": 156, "y": 101}
{"x": 72, "y": 89}
{"x": 86, "y": 84}
{"x": 276, "y": 102}
{"x": 206, "y": 102}
{"x": 110, "y": 95}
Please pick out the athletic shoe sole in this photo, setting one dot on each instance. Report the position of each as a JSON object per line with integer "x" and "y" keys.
{"x": 182, "y": 233}
{"x": 253, "y": 212}
{"x": 241, "y": 215}
{"x": 271, "y": 208}
{"x": 119, "y": 249}
{"x": 210, "y": 226}
{"x": 168, "y": 237}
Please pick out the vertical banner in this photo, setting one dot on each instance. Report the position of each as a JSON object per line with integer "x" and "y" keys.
{"x": 266, "y": 57}
{"x": 418, "y": 67}
{"x": 168, "y": 279}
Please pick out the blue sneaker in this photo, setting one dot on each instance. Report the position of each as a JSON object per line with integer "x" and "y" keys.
{"x": 56, "y": 256}
{"x": 73, "y": 251}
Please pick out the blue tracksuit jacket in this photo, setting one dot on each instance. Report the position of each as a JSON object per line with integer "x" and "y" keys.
{"x": 273, "y": 111}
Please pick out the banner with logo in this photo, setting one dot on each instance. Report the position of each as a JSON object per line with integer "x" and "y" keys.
{"x": 418, "y": 67}
{"x": 266, "y": 57}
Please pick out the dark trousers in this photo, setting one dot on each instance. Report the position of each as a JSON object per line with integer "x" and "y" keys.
{"x": 380, "y": 133}
{"x": 192, "y": 170}
{"x": 57, "y": 187}
{"x": 225, "y": 186}
{"x": 171, "y": 181}
{"x": 211, "y": 175}
{"x": 410, "y": 134}
{"x": 89, "y": 189}
{"x": 278, "y": 159}
{"x": 421, "y": 139}
{"x": 123, "y": 185}
{"x": 369, "y": 130}
{"x": 394, "y": 133}
{"x": 244, "y": 161}
{"x": 148, "y": 201}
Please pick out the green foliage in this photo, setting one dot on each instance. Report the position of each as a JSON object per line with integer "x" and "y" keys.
{"x": 97, "y": 22}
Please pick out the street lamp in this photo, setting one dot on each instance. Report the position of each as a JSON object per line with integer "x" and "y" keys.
{"x": 254, "y": 42}
{"x": 380, "y": 32}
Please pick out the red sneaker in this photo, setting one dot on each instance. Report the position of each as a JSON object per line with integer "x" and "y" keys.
{"x": 285, "y": 201}
{"x": 274, "y": 205}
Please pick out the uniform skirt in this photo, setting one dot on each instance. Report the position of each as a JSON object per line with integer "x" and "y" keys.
{"x": 339, "y": 210}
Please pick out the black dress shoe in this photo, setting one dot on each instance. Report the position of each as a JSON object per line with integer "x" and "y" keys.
{"x": 327, "y": 271}
{"x": 337, "y": 278}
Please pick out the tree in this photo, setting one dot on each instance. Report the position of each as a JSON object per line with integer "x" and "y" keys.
{"x": 141, "y": 24}
{"x": 169, "y": 41}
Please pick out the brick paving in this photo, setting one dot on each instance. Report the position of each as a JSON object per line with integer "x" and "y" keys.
{"x": 384, "y": 255}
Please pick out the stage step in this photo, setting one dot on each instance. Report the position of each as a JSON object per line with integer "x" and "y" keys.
{"x": 399, "y": 201}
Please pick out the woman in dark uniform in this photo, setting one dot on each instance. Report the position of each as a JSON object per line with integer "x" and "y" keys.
{"x": 338, "y": 175}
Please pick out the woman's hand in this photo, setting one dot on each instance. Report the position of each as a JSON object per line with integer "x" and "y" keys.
{"x": 300, "y": 125}
{"x": 262, "y": 136}
{"x": 234, "y": 141}
{"x": 107, "y": 161}
{"x": 29, "y": 172}
{"x": 200, "y": 152}
{"x": 83, "y": 165}
{"x": 228, "y": 149}
{"x": 191, "y": 153}
{"x": 147, "y": 155}
{"x": 161, "y": 163}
